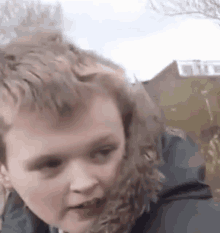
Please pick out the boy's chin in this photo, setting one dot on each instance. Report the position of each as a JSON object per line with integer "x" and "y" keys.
{"x": 77, "y": 227}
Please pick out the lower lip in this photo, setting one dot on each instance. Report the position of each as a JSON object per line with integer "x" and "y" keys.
{"x": 87, "y": 212}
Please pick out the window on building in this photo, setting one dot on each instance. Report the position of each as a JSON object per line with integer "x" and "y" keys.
{"x": 217, "y": 68}
{"x": 187, "y": 70}
{"x": 199, "y": 70}
{"x": 206, "y": 70}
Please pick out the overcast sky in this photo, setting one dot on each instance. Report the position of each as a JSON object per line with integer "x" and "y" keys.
{"x": 142, "y": 41}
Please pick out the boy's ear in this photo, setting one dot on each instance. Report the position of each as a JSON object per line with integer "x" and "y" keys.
{"x": 4, "y": 177}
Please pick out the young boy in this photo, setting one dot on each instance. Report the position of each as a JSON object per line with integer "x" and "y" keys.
{"x": 44, "y": 189}
{"x": 79, "y": 146}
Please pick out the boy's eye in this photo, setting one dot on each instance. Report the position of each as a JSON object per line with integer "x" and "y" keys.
{"x": 53, "y": 164}
{"x": 106, "y": 151}
{"x": 103, "y": 153}
{"x": 50, "y": 164}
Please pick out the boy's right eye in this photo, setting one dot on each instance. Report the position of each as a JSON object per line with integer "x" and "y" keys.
{"x": 50, "y": 164}
{"x": 51, "y": 168}
{"x": 46, "y": 164}
{"x": 53, "y": 164}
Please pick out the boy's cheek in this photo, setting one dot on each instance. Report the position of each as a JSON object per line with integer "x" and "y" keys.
{"x": 110, "y": 174}
{"x": 44, "y": 203}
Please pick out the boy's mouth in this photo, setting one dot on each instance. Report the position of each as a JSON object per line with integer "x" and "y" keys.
{"x": 94, "y": 203}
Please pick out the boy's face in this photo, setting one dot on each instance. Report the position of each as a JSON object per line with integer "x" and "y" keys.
{"x": 55, "y": 170}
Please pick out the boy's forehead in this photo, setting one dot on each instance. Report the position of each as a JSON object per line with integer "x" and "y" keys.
{"x": 46, "y": 119}
{"x": 8, "y": 108}
{"x": 48, "y": 122}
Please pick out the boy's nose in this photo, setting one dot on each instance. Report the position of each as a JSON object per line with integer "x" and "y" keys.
{"x": 81, "y": 181}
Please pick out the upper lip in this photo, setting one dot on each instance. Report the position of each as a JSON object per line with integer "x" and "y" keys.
{"x": 87, "y": 203}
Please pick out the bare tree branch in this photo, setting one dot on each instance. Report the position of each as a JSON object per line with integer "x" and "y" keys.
{"x": 200, "y": 8}
{"x": 19, "y": 18}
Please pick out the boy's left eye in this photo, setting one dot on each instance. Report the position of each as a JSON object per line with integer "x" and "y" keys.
{"x": 103, "y": 153}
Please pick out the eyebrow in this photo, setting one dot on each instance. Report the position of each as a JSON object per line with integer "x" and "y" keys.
{"x": 34, "y": 164}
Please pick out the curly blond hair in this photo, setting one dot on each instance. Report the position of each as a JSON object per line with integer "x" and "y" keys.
{"x": 45, "y": 72}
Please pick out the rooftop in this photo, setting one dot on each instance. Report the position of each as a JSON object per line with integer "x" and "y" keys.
{"x": 190, "y": 68}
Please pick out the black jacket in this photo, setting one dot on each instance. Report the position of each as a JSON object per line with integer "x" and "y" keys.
{"x": 185, "y": 204}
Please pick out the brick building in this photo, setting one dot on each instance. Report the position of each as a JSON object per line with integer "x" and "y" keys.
{"x": 188, "y": 93}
